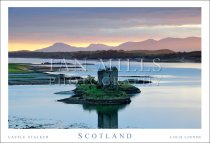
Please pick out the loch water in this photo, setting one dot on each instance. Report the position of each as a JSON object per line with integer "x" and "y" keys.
{"x": 172, "y": 101}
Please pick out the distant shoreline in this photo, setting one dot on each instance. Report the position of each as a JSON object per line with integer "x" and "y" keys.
{"x": 146, "y": 56}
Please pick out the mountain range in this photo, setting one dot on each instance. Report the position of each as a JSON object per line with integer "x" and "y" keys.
{"x": 174, "y": 44}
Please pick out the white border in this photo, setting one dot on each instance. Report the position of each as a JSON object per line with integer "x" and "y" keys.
{"x": 139, "y": 135}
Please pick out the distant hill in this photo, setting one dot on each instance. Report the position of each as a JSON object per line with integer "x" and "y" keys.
{"x": 62, "y": 47}
{"x": 95, "y": 47}
{"x": 173, "y": 44}
{"x": 58, "y": 47}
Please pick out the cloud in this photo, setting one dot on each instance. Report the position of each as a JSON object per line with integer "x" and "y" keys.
{"x": 38, "y": 24}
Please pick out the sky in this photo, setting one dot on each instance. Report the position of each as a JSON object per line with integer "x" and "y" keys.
{"x": 34, "y": 28}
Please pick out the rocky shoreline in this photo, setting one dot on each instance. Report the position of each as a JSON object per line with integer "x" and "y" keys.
{"x": 80, "y": 100}
{"x": 81, "y": 97}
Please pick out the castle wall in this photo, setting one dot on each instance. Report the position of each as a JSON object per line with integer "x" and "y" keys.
{"x": 112, "y": 75}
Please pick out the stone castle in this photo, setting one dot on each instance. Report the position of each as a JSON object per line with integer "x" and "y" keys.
{"x": 108, "y": 77}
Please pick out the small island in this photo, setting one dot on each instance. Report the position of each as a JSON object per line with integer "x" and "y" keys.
{"x": 107, "y": 90}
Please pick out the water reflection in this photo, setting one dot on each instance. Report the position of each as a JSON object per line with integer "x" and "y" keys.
{"x": 107, "y": 115}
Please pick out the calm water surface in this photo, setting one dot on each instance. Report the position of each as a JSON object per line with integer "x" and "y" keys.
{"x": 172, "y": 101}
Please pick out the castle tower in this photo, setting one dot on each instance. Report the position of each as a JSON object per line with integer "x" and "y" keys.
{"x": 108, "y": 77}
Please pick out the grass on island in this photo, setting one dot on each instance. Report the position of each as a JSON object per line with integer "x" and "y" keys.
{"x": 92, "y": 91}
{"x": 22, "y": 77}
{"x": 125, "y": 86}
{"x": 18, "y": 68}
